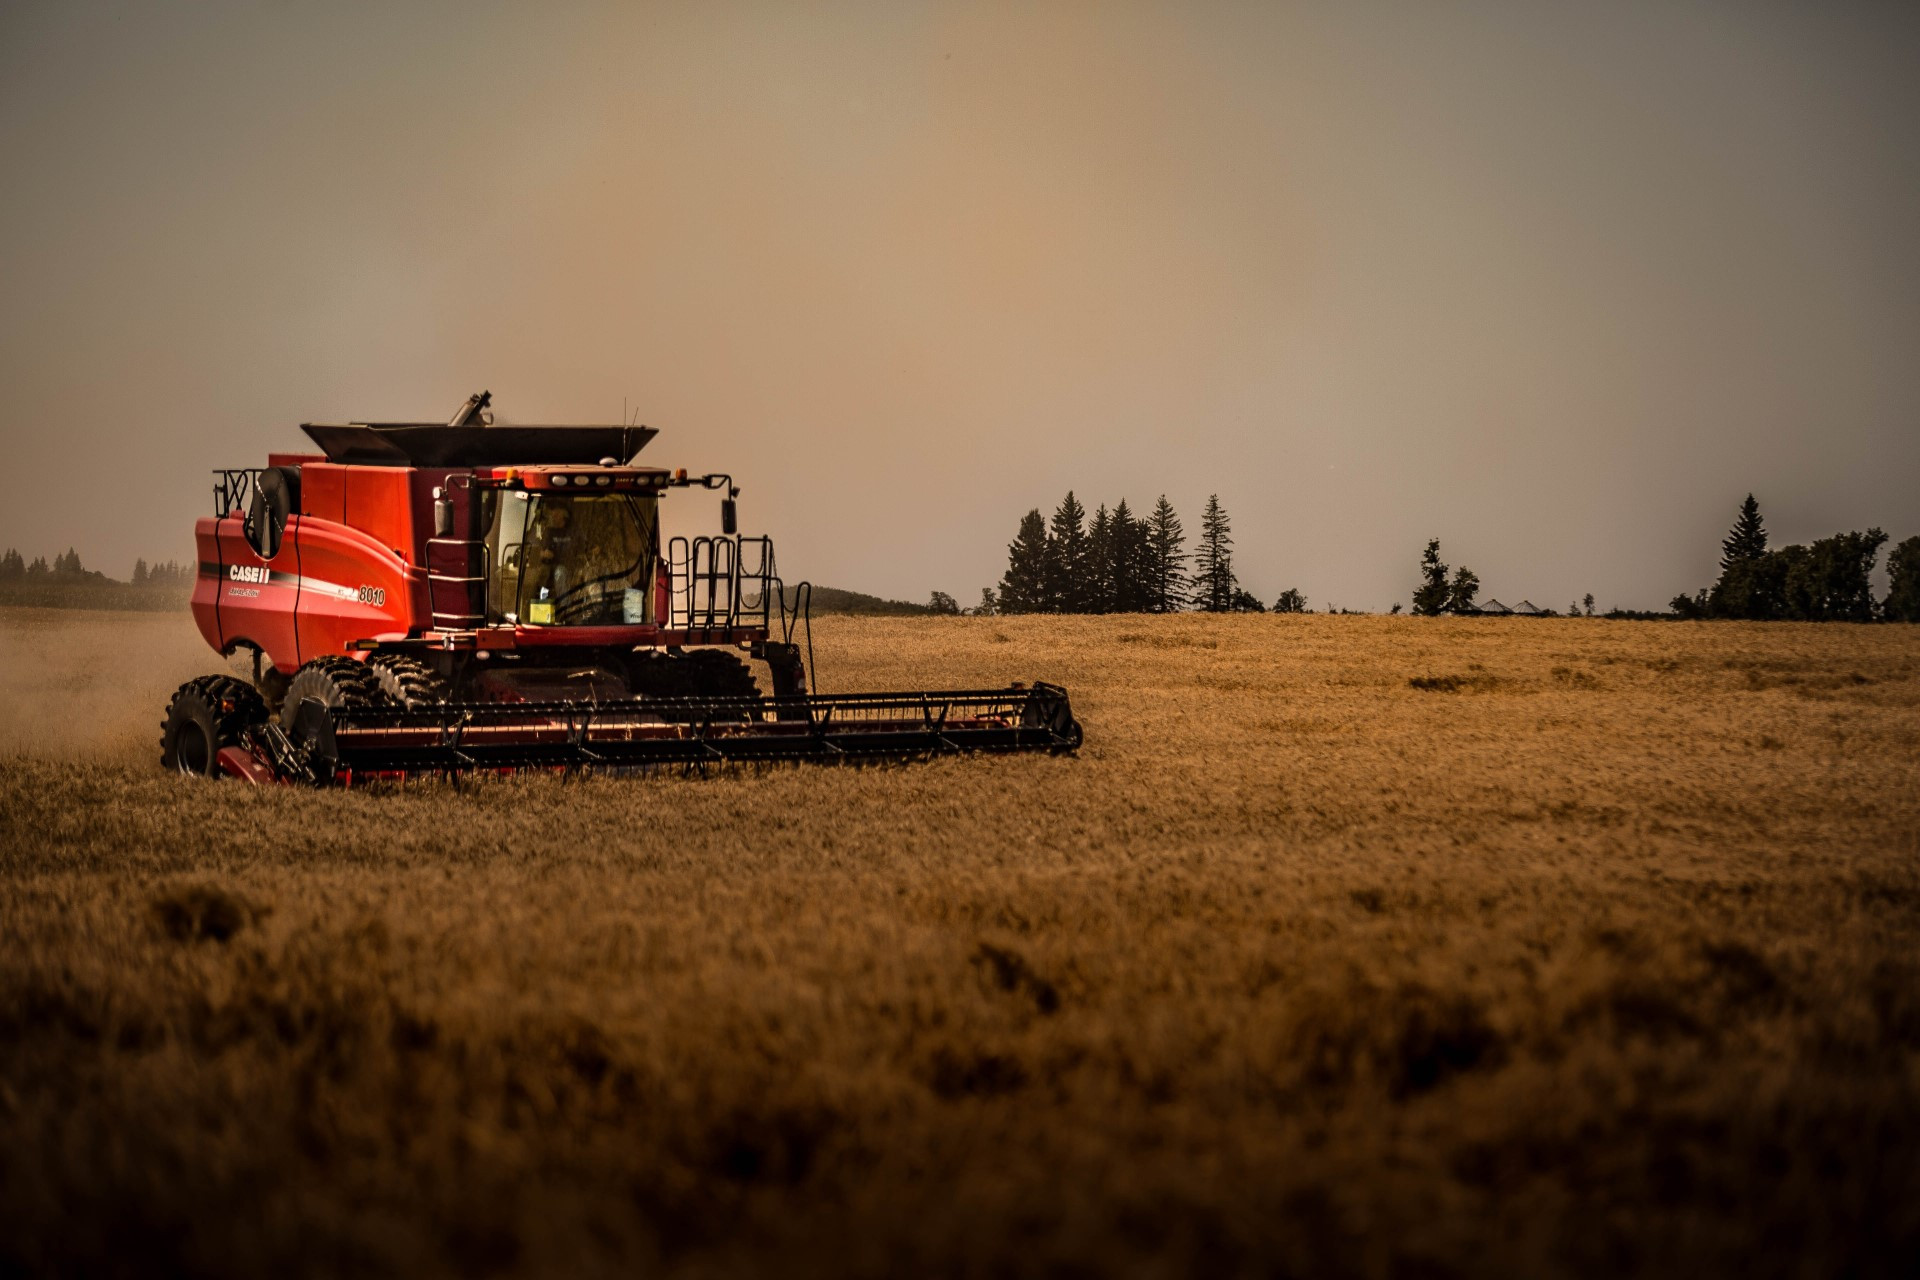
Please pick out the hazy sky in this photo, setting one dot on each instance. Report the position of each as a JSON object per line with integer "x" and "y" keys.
{"x": 1557, "y": 284}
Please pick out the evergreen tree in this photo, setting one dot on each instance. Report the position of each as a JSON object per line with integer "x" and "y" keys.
{"x": 1099, "y": 585}
{"x": 1126, "y": 569}
{"x": 1460, "y": 595}
{"x": 1589, "y": 603}
{"x": 1431, "y": 597}
{"x": 38, "y": 569}
{"x": 989, "y": 604}
{"x": 1747, "y": 540}
{"x": 140, "y": 573}
{"x": 1244, "y": 601}
{"x": 1213, "y": 579}
{"x": 1024, "y": 587}
{"x": 1067, "y": 559}
{"x": 1750, "y": 582}
{"x": 12, "y": 567}
{"x": 1903, "y": 593}
{"x": 1165, "y": 570}
{"x": 1292, "y": 601}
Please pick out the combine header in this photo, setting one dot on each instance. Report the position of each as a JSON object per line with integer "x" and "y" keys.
{"x": 427, "y": 598}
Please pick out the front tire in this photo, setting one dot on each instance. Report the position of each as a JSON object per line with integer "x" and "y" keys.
{"x": 207, "y": 715}
{"x": 333, "y": 682}
{"x": 407, "y": 682}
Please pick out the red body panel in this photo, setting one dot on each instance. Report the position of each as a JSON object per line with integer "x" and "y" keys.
{"x": 352, "y": 588}
{"x": 237, "y": 762}
{"x": 255, "y": 598}
{"x": 209, "y": 584}
{"x": 380, "y": 505}
{"x": 323, "y": 492}
{"x": 352, "y": 568}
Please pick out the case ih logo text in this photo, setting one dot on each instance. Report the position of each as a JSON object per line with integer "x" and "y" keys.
{"x": 247, "y": 572}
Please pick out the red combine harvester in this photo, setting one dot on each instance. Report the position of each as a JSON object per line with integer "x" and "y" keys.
{"x": 424, "y": 597}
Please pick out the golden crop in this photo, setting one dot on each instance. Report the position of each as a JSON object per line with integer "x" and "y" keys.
{"x": 1352, "y": 946}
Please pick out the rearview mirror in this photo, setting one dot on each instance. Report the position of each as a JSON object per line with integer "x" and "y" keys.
{"x": 729, "y": 518}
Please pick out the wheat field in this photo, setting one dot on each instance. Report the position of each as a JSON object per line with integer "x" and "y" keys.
{"x": 1346, "y": 946}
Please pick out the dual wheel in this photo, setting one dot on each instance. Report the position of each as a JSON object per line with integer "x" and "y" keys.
{"x": 211, "y": 713}
{"x": 388, "y": 679}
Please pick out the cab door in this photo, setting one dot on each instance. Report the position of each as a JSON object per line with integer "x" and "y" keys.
{"x": 259, "y": 570}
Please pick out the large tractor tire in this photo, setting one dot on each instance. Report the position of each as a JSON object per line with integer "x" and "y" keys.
{"x": 696, "y": 673}
{"x": 207, "y": 714}
{"x": 335, "y": 682}
{"x": 719, "y": 674}
{"x": 408, "y": 682}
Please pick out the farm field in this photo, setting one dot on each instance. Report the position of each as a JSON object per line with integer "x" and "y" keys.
{"x": 1350, "y": 946}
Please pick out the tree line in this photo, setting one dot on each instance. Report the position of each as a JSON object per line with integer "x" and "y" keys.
{"x": 15, "y": 568}
{"x": 1827, "y": 581}
{"x": 1117, "y": 562}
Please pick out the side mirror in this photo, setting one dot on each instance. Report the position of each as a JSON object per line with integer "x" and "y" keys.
{"x": 442, "y": 516}
{"x": 729, "y": 517}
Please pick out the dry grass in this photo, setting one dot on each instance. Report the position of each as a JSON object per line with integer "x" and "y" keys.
{"x": 1351, "y": 946}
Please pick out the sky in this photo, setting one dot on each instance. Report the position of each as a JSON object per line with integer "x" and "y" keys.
{"x": 1555, "y": 283}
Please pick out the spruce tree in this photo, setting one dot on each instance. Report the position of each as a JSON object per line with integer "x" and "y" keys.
{"x": 1127, "y": 565}
{"x": 1098, "y": 597}
{"x": 1213, "y": 579}
{"x": 1430, "y": 598}
{"x": 140, "y": 572}
{"x": 1747, "y": 540}
{"x": 1067, "y": 558}
{"x": 1166, "y": 559}
{"x": 1024, "y": 588}
{"x": 12, "y": 566}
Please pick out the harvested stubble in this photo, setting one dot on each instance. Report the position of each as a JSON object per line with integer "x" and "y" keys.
{"x": 1351, "y": 946}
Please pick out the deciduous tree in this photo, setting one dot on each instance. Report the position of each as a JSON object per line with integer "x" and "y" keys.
{"x": 1903, "y": 594}
{"x": 1463, "y": 590}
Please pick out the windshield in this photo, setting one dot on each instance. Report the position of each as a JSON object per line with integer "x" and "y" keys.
{"x": 566, "y": 560}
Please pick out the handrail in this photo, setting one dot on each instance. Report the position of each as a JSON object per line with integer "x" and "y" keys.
{"x": 710, "y": 586}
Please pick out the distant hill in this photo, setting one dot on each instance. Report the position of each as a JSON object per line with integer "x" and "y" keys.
{"x": 834, "y": 600}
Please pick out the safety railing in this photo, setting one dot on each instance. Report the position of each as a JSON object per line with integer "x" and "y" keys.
{"x": 233, "y": 491}
{"x": 721, "y": 583}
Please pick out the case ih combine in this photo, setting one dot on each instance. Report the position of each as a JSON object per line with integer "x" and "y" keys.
{"x": 422, "y": 597}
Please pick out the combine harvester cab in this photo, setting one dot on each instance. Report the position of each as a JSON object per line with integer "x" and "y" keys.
{"x": 440, "y": 598}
